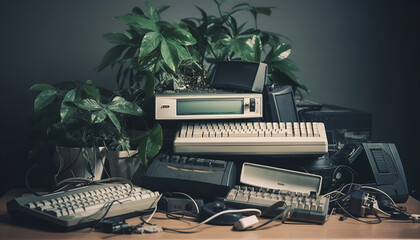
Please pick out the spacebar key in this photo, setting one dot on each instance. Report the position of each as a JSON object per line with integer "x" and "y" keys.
{"x": 243, "y": 134}
{"x": 262, "y": 201}
{"x": 95, "y": 207}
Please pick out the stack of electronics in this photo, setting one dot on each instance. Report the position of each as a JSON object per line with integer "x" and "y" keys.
{"x": 241, "y": 120}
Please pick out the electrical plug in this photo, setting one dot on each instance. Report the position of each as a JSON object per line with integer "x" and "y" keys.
{"x": 416, "y": 218}
{"x": 245, "y": 222}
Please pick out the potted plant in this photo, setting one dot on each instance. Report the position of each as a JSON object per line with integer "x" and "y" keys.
{"x": 82, "y": 122}
{"x": 153, "y": 53}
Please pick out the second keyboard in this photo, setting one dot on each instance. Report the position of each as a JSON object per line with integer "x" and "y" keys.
{"x": 259, "y": 138}
{"x": 307, "y": 207}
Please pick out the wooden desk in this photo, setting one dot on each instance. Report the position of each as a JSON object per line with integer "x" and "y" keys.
{"x": 333, "y": 228}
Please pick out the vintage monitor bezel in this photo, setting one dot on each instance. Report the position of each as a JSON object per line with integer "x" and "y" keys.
{"x": 166, "y": 105}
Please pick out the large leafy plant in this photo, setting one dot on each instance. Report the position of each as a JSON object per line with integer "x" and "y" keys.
{"x": 77, "y": 114}
{"x": 154, "y": 52}
{"x": 148, "y": 50}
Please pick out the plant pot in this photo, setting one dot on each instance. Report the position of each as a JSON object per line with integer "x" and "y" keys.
{"x": 80, "y": 162}
{"x": 125, "y": 164}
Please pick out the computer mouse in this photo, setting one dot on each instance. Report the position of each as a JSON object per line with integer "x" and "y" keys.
{"x": 213, "y": 208}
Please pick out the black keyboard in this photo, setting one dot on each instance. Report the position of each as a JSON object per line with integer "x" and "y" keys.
{"x": 308, "y": 207}
{"x": 199, "y": 177}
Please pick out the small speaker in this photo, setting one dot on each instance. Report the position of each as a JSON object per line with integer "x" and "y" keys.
{"x": 376, "y": 164}
{"x": 240, "y": 75}
{"x": 279, "y": 104}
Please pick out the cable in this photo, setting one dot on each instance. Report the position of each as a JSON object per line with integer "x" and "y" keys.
{"x": 188, "y": 196}
{"x": 27, "y": 174}
{"x": 286, "y": 214}
{"x": 107, "y": 207}
{"x": 379, "y": 190}
{"x": 182, "y": 230}
{"x": 379, "y": 220}
{"x": 340, "y": 192}
{"x": 155, "y": 208}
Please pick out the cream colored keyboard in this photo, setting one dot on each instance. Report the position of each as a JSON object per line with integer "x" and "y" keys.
{"x": 83, "y": 206}
{"x": 260, "y": 138}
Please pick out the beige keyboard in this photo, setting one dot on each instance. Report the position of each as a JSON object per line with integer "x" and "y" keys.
{"x": 265, "y": 138}
{"x": 83, "y": 206}
{"x": 308, "y": 207}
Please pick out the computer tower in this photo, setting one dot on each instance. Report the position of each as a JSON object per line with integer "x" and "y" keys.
{"x": 343, "y": 125}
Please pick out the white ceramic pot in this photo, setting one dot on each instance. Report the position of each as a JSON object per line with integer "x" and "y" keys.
{"x": 125, "y": 164}
{"x": 80, "y": 162}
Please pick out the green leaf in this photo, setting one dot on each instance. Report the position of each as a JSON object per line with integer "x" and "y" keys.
{"x": 160, "y": 9}
{"x": 111, "y": 56}
{"x": 150, "y": 144}
{"x": 91, "y": 90}
{"x": 155, "y": 140}
{"x": 67, "y": 110}
{"x": 44, "y": 99}
{"x": 129, "y": 53}
{"x": 242, "y": 49}
{"x": 142, "y": 152}
{"x": 113, "y": 119}
{"x": 121, "y": 105}
{"x": 128, "y": 35}
{"x": 89, "y": 104}
{"x": 181, "y": 36}
{"x": 60, "y": 161}
{"x": 233, "y": 25}
{"x": 98, "y": 116}
{"x": 117, "y": 38}
{"x": 182, "y": 53}
{"x": 282, "y": 74}
{"x": 250, "y": 31}
{"x": 221, "y": 37}
{"x": 281, "y": 52}
{"x": 149, "y": 87}
{"x": 203, "y": 14}
{"x": 41, "y": 87}
{"x": 170, "y": 55}
{"x": 149, "y": 43}
{"x": 154, "y": 16}
{"x": 135, "y": 19}
{"x": 138, "y": 11}
{"x": 256, "y": 46}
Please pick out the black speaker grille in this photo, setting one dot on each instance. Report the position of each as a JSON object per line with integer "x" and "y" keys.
{"x": 286, "y": 107}
{"x": 240, "y": 74}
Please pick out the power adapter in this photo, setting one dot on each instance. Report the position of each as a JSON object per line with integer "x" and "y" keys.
{"x": 361, "y": 203}
{"x": 114, "y": 225}
{"x": 245, "y": 223}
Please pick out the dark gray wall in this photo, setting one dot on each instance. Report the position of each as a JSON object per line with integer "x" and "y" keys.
{"x": 362, "y": 54}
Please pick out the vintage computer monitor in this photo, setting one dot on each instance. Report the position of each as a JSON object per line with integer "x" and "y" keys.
{"x": 240, "y": 75}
